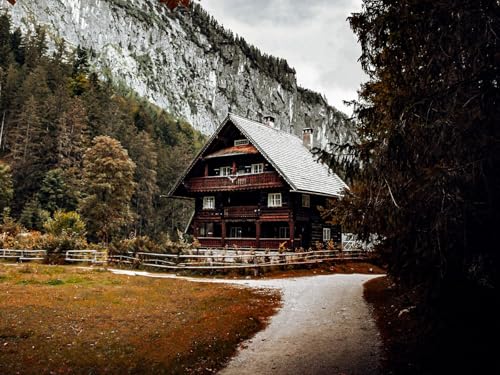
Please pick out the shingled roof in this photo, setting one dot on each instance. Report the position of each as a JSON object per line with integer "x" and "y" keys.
{"x": 286, "y": 153}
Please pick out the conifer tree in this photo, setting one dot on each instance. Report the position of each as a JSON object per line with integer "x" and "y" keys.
{"x": 27, "y": 150}
{"x": 143, "y": 152}
{"x": 54, "y": 193}
{"x": 426, "y": 169}
{"x": 6, "y": 187}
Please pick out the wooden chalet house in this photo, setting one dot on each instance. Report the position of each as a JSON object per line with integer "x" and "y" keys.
{"x": 257, "y": 186}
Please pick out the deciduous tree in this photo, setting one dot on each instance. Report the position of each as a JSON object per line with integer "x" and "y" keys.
{"x": 109, "y": 185}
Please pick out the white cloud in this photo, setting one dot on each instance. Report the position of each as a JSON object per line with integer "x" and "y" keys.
{"x": 313, "y": 36}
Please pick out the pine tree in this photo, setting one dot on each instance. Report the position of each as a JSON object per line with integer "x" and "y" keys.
{"x": 6, "y": 187}
{"x": 6, "y": 53}
{"x": 143, "y": 152}
{"x": 54, "y": 193}
{"x": 108, "y": 185}
{"x": 33, "y": 216}
{"x": 72, "y": 135}
{"x": 27, "y": 151}
{"x": 426, "y": 168}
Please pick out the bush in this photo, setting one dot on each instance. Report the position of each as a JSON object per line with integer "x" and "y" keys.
{"x": 69, "y": 223}
{"x": 141, "y": 244}
{"x": 65, "y": 231}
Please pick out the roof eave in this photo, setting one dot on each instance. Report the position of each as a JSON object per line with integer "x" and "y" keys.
{"x": 301, "y": 191}
{"x": 181, "y": 178}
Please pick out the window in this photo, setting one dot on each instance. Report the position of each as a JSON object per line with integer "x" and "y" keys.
{"x": 207, "y": 230}
{"x": 240, "y": 142}
{"x": 209, "y": 203}
{"x": 327, "y": 234}
{"x": 274, "y": 200}
{"x": 284, "y": 232}
{"x": 258, "y": 168}
{"x": 226, "y": 171}
{"x": 306, "y": 200}
{"x": 210, "y": 230}
{"x": 236, "y": 232}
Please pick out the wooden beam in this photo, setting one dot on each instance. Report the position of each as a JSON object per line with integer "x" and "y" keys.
{"x": 257, "y": 233}
{"x": 291, "y": 225}
{"x": 223, "y": 232}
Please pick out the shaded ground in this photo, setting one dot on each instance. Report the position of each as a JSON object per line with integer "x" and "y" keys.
{"x": 458, "y": 339}
{"x": 394, "y": 315}
{"x": 66, "y": 320}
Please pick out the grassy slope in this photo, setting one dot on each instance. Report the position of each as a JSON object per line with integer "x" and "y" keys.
{"x": 69, "y": 320}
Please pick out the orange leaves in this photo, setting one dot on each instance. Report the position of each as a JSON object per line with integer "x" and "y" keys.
{"x": 172, "y": 4}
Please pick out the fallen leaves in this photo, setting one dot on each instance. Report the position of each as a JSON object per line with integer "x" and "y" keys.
{"x": 98, "y": 322}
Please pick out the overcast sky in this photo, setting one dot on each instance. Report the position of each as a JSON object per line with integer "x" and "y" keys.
{"x": 312, "y": 35}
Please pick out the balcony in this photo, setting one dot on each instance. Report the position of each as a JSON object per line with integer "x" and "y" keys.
{"x": 266, "y": 180}
{"x": 241, "y": 212}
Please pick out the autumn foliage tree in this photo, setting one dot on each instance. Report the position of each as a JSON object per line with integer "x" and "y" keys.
{"x": 108, "y": 186}
{"x": 426, "y": 171}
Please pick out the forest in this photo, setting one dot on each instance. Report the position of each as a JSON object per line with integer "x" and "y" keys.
{"x": 75, "y": 148}
{"x": 424, "y": 173}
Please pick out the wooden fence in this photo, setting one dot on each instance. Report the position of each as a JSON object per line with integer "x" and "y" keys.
{"x": 22, "y": 255}
{"x": 209, "y": 259}
{"x": 199, "y": 259}
{"x": 90, "y": 256}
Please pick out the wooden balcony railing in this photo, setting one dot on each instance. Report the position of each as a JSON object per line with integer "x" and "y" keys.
{"x": 241, "y": 212}
{"x": 233, "y": 183}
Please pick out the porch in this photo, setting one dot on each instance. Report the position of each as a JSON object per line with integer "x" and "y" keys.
{"x": 247, "y": 234}
{"x": 250, "y": 243}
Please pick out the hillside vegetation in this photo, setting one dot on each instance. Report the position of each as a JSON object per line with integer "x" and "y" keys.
{"x": 72, "y": 142}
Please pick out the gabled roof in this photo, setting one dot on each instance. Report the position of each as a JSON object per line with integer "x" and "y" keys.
{"x": 286, "y": 153}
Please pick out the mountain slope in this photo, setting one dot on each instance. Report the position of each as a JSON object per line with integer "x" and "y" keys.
{"x": 185, "y": 63}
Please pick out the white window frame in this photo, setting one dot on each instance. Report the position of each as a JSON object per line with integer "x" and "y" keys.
{"x": 274, "y": 200}
{"x": 257, "y": 168}
{"x": 226, "y": 171}
{"x": 327, "y": 234}
{"x": 209, "y": 202}
{"x": 241, "y": 142}
{"x": 306, "y": 200}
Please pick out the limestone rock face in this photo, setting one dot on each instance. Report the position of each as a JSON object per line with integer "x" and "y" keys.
{"x": 174, "y": 61}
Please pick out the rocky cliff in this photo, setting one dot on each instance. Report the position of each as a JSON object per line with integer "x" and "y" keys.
{"x": 183, "y": 62}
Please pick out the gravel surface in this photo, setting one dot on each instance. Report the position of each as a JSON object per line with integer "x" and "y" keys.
{"x": 324, "y": 327}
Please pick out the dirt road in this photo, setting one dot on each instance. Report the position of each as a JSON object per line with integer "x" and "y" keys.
{"x": 324, "y": 327}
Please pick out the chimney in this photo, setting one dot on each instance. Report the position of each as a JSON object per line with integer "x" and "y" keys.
{"x": 307, "y": 138}
{"x": 269, "y": 121}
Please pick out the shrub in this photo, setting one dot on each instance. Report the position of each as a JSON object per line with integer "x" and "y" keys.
{"x": 69, "y": 223}
{"x": 141, "y": 244}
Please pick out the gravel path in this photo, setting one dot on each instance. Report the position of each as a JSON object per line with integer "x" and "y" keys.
{"x": 324, "y": 327}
